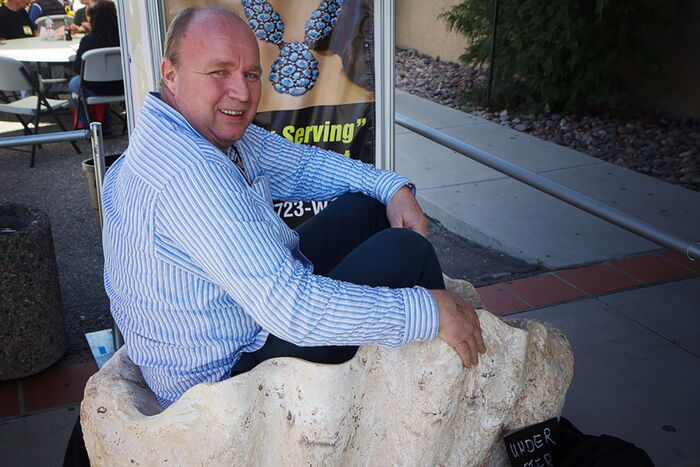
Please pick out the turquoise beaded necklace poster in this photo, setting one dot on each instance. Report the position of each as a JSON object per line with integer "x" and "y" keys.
{"x": 318, "y": 75}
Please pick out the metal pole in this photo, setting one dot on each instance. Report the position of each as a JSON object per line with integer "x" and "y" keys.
{"x": 492, "y": 54}
{"x": 98, "y": 158}
{"x": 384, "y": 40}
{"x": 613, "y": 215}
{"x": 126, "y": 63}
{"x": 45, "y": 138}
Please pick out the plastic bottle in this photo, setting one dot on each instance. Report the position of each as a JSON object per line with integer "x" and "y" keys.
{"x": 50, "y": 35}
{"x": 66, "y": 28}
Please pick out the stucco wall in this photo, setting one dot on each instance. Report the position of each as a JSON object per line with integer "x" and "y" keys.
{"x": 417, "y": 27}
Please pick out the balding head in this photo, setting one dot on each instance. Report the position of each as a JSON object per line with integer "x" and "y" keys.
{"x": 180, "y": 24}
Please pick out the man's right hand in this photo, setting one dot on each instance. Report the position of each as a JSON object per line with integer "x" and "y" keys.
{"x": 459, "y": 326}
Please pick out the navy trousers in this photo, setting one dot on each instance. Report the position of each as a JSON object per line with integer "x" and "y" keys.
{"x": 351, "y": 241}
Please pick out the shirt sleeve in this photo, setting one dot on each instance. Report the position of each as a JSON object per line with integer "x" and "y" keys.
{"x": 303, "y": 172}
{"x": 222, "y": 228}
{"x": 79, "y": 17}
{"x": 34, "y": 13}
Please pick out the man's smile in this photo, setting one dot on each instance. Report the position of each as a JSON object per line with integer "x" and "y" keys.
{"x": 233, "y": 113}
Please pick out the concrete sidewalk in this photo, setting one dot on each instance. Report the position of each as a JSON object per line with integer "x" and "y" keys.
{"x": 492, "y": 209}
{"x": 637, "y": 367}
{"x": 636, "y": 351}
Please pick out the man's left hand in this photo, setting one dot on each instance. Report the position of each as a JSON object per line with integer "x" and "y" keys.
{"x": 404, "y": 211}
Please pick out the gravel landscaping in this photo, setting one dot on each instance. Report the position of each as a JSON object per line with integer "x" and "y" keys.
{"x": 661, "y": 146}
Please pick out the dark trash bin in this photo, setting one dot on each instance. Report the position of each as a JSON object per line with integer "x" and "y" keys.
{"x": 32, "y": 333}
{"x": 89, "y": 169}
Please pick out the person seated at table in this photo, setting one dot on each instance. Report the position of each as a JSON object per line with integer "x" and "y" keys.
{"x": 80, "y": 23}
{"x": 14, "y": 20}
{"x": 102, "y": 16}
{"x": 45, "y": 8}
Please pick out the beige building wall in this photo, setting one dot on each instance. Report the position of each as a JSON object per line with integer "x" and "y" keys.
{"x": 418, "y": 27}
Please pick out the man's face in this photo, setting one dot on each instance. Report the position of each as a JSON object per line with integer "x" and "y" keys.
{"x": 216, "y": 82}
{"x": 16, "y": 5}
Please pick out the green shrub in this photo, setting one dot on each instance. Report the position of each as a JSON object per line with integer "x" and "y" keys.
{"x": 563, "y": 54}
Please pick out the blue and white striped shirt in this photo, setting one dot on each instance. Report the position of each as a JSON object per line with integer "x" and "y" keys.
{"x": 199, "y": 267}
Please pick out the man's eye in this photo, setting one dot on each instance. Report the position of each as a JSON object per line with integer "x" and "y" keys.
{"x": 252, "y": 76}
{"x": 218, "y": 73}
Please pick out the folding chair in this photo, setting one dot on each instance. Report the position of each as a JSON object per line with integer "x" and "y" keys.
{"x": 101, "y": 65}
{"x": 46, "y": 84}
{"x": 14, "y": 77}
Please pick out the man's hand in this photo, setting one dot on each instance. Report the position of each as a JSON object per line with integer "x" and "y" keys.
{"x": 459, "y": 326}
{"x": 404, "y": 211}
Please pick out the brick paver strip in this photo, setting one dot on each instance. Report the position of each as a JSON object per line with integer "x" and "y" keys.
{"x": 498, "y": 301}
{"x": 682, "y": 260}
{"x": 651, "y": 268}
{"x": 598, "y": 279}
{"x": 545, "y": 289}
{"x": 58, "y": 387}
{"x": 9, "y": 401}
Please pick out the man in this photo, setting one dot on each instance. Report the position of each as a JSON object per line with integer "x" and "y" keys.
{"x": 206, "y": 281}
{"x": 81, "y": 24}
{"x": 45, "y": 8}
{"x": 14, "y": 20}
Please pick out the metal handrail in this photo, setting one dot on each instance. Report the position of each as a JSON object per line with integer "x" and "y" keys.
{"x": 94, "y": 134}
{"x": 611, "y": 214}
{"x": 44, "y": 138}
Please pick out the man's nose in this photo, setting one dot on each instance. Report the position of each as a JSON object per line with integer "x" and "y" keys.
{"x": 238, "y": 88}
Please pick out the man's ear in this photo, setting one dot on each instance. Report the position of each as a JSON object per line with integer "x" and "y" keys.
{"x": 168, "y": 72}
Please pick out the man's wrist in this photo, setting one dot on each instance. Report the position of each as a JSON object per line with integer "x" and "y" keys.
{"x": 422, "y": 319}
{"x": 411, "y": 187}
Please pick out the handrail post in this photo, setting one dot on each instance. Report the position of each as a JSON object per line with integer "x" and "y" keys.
{"x": 98, "y": 158}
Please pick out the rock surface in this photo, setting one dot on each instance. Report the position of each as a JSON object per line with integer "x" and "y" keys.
{"x": 414, "y": 405}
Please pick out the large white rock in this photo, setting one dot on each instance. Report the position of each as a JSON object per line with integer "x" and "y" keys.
{"x": 415, "y": 405}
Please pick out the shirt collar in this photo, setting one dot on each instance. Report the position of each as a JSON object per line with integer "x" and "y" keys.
{"x": 155, "y": 105}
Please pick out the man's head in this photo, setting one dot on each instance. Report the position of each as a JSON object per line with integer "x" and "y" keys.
{"x": 211, "y": 73}
{"x": 102, "y": 15}
{"x": 16, "y": 5}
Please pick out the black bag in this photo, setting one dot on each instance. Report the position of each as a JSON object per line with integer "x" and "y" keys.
{"x": 601, "y": 451}
{"x": 558, "y": 443}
